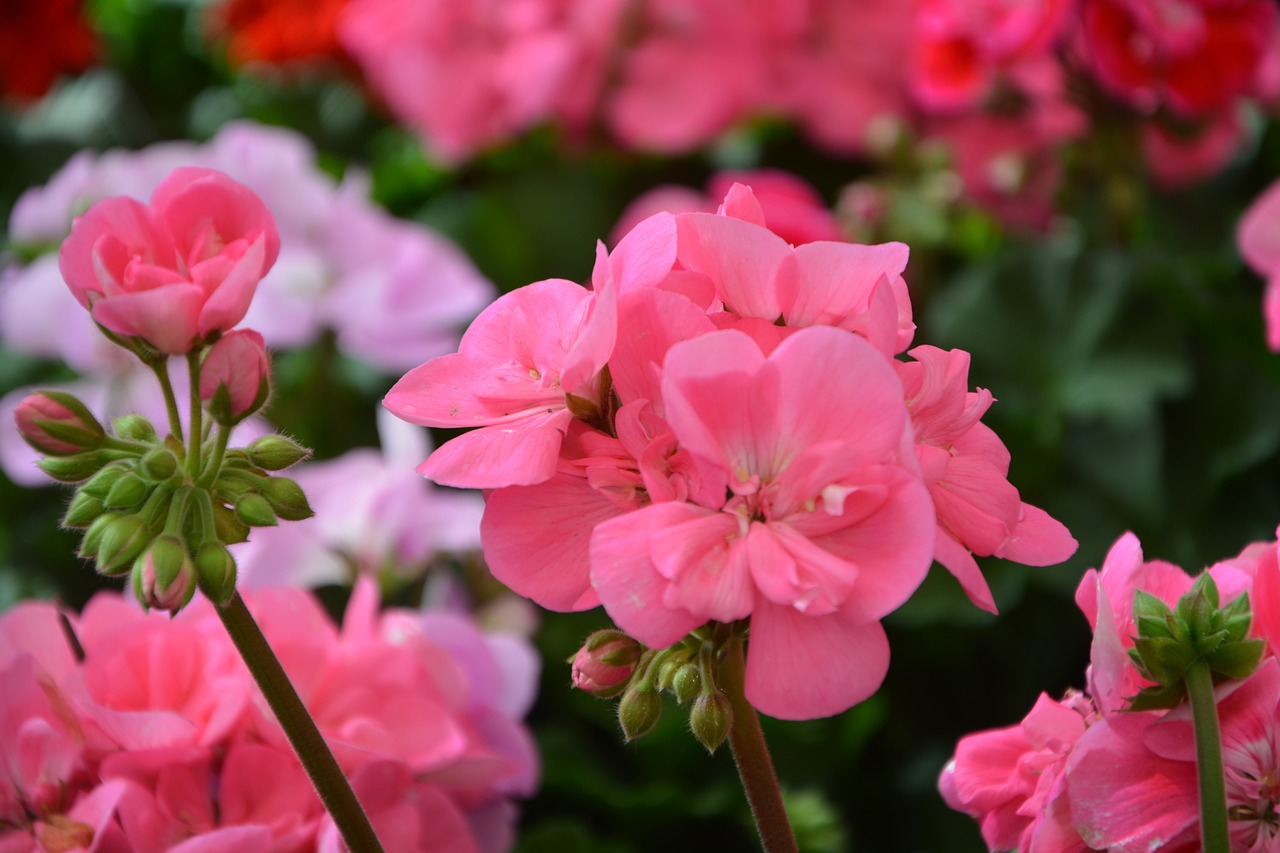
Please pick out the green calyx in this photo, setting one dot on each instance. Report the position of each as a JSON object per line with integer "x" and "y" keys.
{"x": 1170, "y": 640}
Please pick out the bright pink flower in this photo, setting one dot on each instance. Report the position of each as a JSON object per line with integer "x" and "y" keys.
{"x": 1195, "y": 56}
{"x": 966, "y": 468}
{"x": 237, "y": 362}
{"x": 826, "y": 530}
{"x": 175, "y": 271}
{"x": 1011, "y": 780}
{"x": 1258, "y": 237}
{"x": 406, "y": 814}
{"x": 525, "y": 365}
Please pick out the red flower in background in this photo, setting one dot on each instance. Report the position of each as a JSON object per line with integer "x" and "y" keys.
{"x": 281, "y": 31}
{"x": 40, "y": 41}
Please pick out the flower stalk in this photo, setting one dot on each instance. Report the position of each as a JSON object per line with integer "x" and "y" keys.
{"x": 1214, "y": 837}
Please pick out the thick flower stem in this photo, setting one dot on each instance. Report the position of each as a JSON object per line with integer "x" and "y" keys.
{"x": 161, "y": 370}
{"x": 1214, "y": 837}
{"x": 197, "y": 428}
{"x": 751, "y": 755}
{"x": 301, "y": 730}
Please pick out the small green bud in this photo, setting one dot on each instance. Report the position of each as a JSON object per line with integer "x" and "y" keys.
{"x": 667, "y": 670}
{"x": 159, "y": 464}
{"x": 73, "y": 469}
{"x": 164, "y": 576}
{"x": 227, "y": 526}
{"x": 92, "y": 540}
{"x": 275, "y": 452}
{"x": 134, "y": 427}
{"x": 82, "y": 511}
{"x": 638, "y": 712}
{"x": 126, "y": 492}
{"x": 216, "y": 570}
{"x": 687, "y": 682}
{"x": 100, "y": 483}
{"x": 287, "y": 499}
{"x": 710, "y": 718}
{"x": 254, "y": 510}
{"x": 122, "y": 542}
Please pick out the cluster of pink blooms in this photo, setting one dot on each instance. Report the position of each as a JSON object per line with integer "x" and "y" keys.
{"x": 154, "y": 737}
{"x": 1258, "y": 236}
{"x": 719, "y": 429}
{"x": 1083, "y": 773}
{"x": 988, "y": 77}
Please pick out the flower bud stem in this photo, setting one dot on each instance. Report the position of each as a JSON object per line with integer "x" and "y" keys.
{"x": 1214, "y": 837}
{"x": 751, "y": 755}
{"x": 210, "y": 474}
{"x": 197, "y": 412}
{"x": 161, "y": 370}
{"x": 299, "y": 727}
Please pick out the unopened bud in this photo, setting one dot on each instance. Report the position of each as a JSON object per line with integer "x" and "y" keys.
{"x": 134, "y": 427}
{"x": 227, "y": 526}
{"x": 100, "y": 483}
{"x": 235, "y": 376}
{"x": 164, "y": 577}
{"x": 604, "y": 664}
{"x": 159, "y": 464}
{"x": 254, "y": 510}
{"x": 126, "y": 492}
{"x": 638, "y": 712}
{"x": 57, "y": 424}
{"x": 710, "y": 719}
{"x": 275, "y": 452}
{"x": 82, "y": 511}
{"x": 92, "y": 540}
{"x": 123, "y": 540}
{"x": 686, "y": 683}
{"x": 216, "y": 570}
{"x": 73, "y": 469}
{"x": 287, "y": 499}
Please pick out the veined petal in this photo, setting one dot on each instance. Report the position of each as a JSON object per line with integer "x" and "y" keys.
{"x": 516, "y": 453}
{"x": 705, "y": 558}
{"x": 741, "y": 257}
{"x": 167, "y": 317}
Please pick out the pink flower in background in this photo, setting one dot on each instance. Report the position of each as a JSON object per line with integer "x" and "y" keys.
{"x": 1258, "y": 238}
{"x": 178, "y": 270}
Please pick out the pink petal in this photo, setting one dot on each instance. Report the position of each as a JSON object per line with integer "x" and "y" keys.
{"x": 629, "y": 585}
{"x": 834, "y": 281}
{"x": 706, "y": 560}
{"x": 645, "y": 255}
{"x": 1038, "y": 540}
{"x": 536, "y": 539}
{"x": 594, "y": 345}
{"x": 1258, "y": 234}
{"x": 230, "y": 299}
{"x": 1266, "y": 598}
{"x": 957, "y": 560}
{"x": 650, "y": 322}
{"x": 742, "y": 258}
{"x": 740, "y": 202}
{"x": 166, "y": 317}
{"x": 516, "y": 453}
{"x": 125, "y": 220}
{"x": 231, "y": 839}
{"x": 802, "y": 667}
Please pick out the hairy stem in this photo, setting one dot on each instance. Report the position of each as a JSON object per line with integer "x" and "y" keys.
{"x": 1214, "y": 837}
{"x": 161, "y": 370}
{"x": 197, "y": 412}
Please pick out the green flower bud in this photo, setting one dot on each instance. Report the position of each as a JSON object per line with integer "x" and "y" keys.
{"x": 73, "y": 469}
{"x": 164, "y": 576}
{"x": 254, "y": 510}
{"x": 134, "y": 427}
{"x": 216, "y": 570}
{"x": 82, "y": 511}
{"x": 92, "y": 540}
{"x": 638, "y": 712}
{"x": 686, "y": 683}
{"x": 100, "y": 483}
{"x": 123, "y": 540}
{"x": 275, "y": 452}
{"x": 159, "y": 464}
{"x": 287, "y": 499}
{"x": 710, "y": 719}
{"x": 227, "y": 526}
{"x": 126, "y": 492}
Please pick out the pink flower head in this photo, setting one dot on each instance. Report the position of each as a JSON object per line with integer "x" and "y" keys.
{"x": 57, "y": 424}
{"x": 236, "y": 364}
{"x": 1258, "y": 237}
{"x": 825, "y": 528}
{"x": 177, "y": 270}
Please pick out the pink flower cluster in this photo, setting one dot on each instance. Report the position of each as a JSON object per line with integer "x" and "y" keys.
{"x": 1258, "y": 237}
{"x": 719, "y": 429}
{"x": 1082, "y": 773}
{"x": 158, "y": 740}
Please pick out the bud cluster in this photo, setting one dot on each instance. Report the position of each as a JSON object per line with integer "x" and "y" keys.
{"x": 611, "y": 664}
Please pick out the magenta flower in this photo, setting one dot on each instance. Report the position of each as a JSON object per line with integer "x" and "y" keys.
{"x": 178, "y": 270}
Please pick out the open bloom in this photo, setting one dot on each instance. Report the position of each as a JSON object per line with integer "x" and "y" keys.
{"x": 177, "y": 270}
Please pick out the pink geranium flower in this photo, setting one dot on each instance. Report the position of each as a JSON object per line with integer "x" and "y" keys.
{"x": 177, "y": 270}
{"x": 1258, "y": 237}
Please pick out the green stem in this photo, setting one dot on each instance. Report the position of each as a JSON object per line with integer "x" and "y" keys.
{"x": 299, "y": 727}
{"x": 161, "y": 370}
{"x": 197, "y": 428}
{"x": 210, "y": 474}
{"x": 1214, "y": 837}
{"x": 751, "y": 755}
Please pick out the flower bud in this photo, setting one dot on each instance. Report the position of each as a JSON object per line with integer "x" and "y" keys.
{"x": 227, "y": 526}
{"x": 164, "y": 577}
{"x": 710, "y": 719}
{"x": 638, "y": 712}
{"x": 57, "y": 424}
{"x": 253, "y": 510}
{"x": 134, "y": 427}
{"x": 73, "y": 469}
{"x": 158, "y": 464}
{"x": 604, "y": 664}
{"x": 126, "y": 492}
{"x": 235, "y": 376}
{"x": 92, "y": 540}
{"x": 83, "y": 510}
{"x": 123, "y": 540}
{"x": 686, "y": 683}
{"x": 216, "y": 570}
{"x": 100, "y": 483}
{"x": 287, "y": 499}
{"x": 275, "y": 452}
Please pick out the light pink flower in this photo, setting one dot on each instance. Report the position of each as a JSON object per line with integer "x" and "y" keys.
{"x": 825, "y": 531}
{"x": 180, "y": 269}
{"x": 1258, "y": 237}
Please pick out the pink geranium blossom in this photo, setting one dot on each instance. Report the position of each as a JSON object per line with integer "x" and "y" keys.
{"x": 176, "y": 271}
{"x": 1258, "y": 237}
